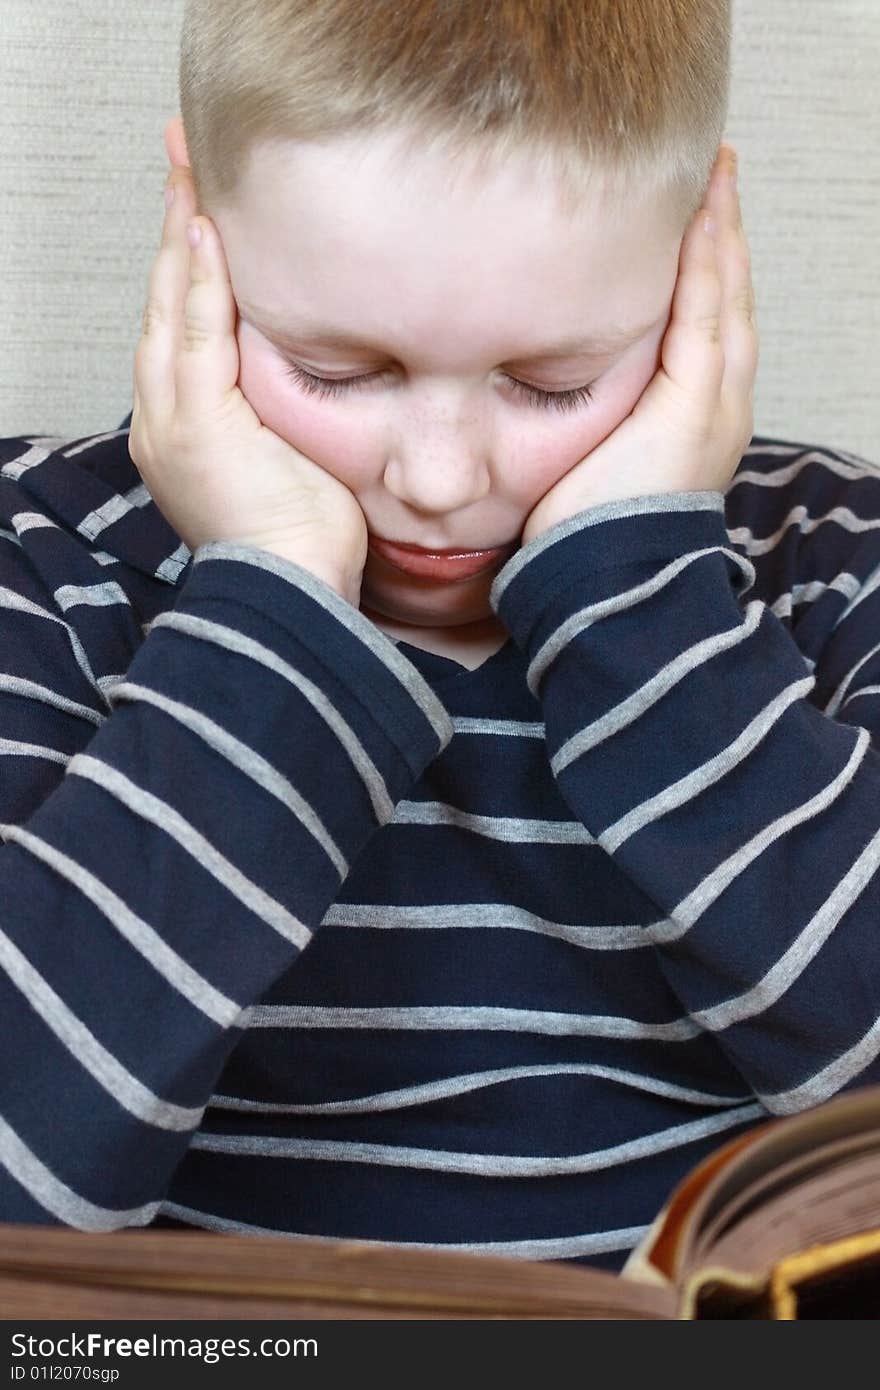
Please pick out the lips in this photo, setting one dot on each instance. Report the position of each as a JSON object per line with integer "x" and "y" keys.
{"x": 444, "y": 566}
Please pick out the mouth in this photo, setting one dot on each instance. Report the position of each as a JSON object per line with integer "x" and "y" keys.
{"x": 442, "y": 566}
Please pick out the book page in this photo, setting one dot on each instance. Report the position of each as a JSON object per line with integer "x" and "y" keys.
{"x": 65, "y": 1273}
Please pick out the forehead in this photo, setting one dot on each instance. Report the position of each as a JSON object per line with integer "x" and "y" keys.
{"x": 353, "y": 229}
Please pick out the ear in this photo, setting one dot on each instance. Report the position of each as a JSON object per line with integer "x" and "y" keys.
{"x": 175, "y": 142}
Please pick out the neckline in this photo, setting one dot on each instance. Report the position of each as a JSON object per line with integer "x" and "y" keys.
{"x": 447, "y": 666}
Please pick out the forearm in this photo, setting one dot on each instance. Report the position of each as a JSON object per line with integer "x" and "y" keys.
{"x": 680, "y": 732}
{"x": 261, "y": 735}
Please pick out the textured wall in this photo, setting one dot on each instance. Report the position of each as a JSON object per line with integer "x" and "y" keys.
{"x": 89, "y": 85}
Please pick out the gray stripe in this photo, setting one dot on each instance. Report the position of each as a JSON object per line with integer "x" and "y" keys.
{"x": 160, "y": 813}
{"x": 484, "y": 916}
{"x": 511, "y": 829}
{"x": 836, "y": 700}
{"x": 478, "y": 1164}
{"x": 82, "y": 445}
{"x": 780, "y": 477}
{"x": 806, "y": 524}
{"x": 229, "y": 639}
{"x": 580, "y": 621}
{"x": 59, "y": 1199}
{"x": 11, "y": 748}
{"x": 654, "y": 690}
{"x": 662, "y": 502}
{"x": 33, "y": 521}
{"x": 844, "y": 583}
{"x": 116, "y": 506}
{"x": 785, "y": 604}
{"x": 171, "y": 567}
{"x": 559, "y": 1247}
{"x": 93, "y": 595}
{"x": 791, "y": 965}
{"x": 239, "y": 755}
{"x": 10, "y": 536}
{"x": 710, "y": 772}
{"x": 863, "y": 591}
{"x": 857, "y": 694}
{"x": 713, "y": 885}
{"x": 417, "y": 687}
{"x": 10, "y": 599}
{"x": 138, "y": 495}
{"x": 93, "y": 523}
{"x": 864, "y": 467}
{"x": 405, "y": 1096}
{"x": 17, "y": 685}
{"x": 512, "y": 728}
{"x": 138, "y": 933}
{"x": 16, "y": 467}
{"x": 824, "y": 1083}
{"x": 448, "y": 1017}
{"x": 85, "y": 1048}
{"x": 109, "y": 682}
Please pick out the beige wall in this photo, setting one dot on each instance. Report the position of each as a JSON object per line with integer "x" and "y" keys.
{"x": 89, "y": 84}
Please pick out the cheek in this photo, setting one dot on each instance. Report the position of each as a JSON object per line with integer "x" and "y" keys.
{"x": 537, "y": 453}
{"x": 547, "y": 454}
{"x": 307, "y": 424}
{"x": 620, "y": 392}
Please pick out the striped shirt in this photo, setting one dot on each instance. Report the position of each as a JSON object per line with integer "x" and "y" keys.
{"x": 313, "y": 932}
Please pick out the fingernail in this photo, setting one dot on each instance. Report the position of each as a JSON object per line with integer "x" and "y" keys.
{"x": 169, "y": 194}
{"x": 732, "y": 168}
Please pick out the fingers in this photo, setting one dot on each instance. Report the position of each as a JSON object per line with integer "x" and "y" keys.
{"x": 692, "y": 349}
{"x": 712, "y": 344}
{"x": 208, "y": 363}
{"x": 739, "y": 327}
{"x": 168, "y": 284}
{"x": 186, "y": 363}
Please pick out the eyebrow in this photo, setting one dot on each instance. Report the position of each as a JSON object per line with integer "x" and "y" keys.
{"x": 325, "y": 335}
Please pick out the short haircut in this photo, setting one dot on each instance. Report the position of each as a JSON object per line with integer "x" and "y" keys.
{"x": 619, "y": 94}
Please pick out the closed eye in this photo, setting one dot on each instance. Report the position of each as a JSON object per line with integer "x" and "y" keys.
{"x": 326, "y": 386}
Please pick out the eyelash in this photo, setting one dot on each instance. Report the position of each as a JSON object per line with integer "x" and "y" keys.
{"x": 552, "y": 400}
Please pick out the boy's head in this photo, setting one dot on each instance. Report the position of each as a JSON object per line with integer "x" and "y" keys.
{"x": 460, "y": 188}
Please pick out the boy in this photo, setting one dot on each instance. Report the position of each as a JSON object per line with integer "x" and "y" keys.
{"x": 355, "y": 892}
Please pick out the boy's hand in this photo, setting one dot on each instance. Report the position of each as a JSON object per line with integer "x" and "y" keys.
{"x": 214, "y": 470}
{"x": 695, "y": 419}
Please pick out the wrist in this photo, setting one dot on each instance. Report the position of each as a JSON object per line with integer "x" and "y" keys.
{"x": 345, "y": 580}
{"x": 346, "y": 584}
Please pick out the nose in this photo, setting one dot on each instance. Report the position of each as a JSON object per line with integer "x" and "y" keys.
{"x": 440, "y": 460}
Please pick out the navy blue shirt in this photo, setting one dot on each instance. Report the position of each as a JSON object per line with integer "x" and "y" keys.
{"x": 310, "y": 931}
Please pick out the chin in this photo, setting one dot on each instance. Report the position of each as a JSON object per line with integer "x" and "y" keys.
{"x": 432, "y": 610}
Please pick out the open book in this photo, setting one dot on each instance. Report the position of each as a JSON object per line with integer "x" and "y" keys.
{"x": 781, "y": 1223}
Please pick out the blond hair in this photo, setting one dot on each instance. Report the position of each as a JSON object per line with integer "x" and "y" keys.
{"x": 620, "y": 93}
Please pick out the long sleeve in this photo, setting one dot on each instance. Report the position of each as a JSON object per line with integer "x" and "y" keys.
{"x": 173, "y": 834}
{"x": 732, "y": 777}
